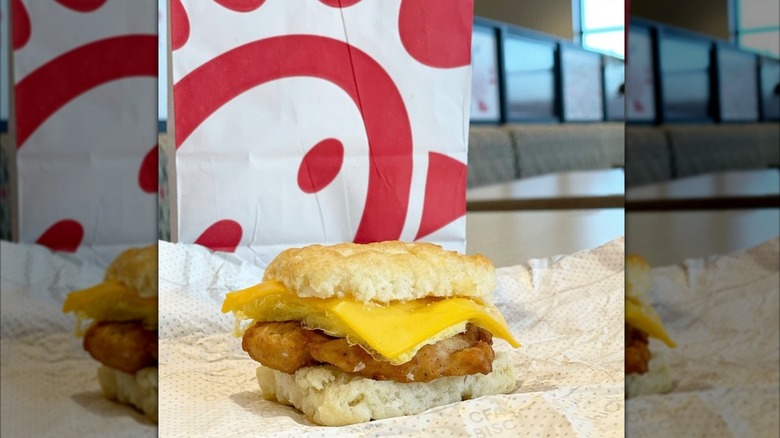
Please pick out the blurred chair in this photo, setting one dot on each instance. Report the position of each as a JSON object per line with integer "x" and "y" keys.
{"x": 491, "y": 156}
{"x": 648, "y": 158}
{"x": 768, "y": 137}
{"x": 558, "y": 148}
{"x": 698, "y": 149}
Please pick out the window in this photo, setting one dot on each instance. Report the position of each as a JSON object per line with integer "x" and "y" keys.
{"x": 640, "y": 75}
{"x": 581, "y": 84}
{"x": 529, "y": 74}
{"x": 685, "y": 77}
{"x": 485, "y": 94}
{"x": 602, "y": 26}
{"x": 757, "y": 25}
{"x": 737, "y": 84}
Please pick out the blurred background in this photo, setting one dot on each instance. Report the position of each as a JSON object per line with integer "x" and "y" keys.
{"x": 702, "y": 206}
{"x": 702, "y": 134}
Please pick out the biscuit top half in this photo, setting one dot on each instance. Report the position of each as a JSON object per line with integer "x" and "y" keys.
{"x": 638, "y": 276}
{"x": 136, "y": 269}
{"x": 382, "y": 272}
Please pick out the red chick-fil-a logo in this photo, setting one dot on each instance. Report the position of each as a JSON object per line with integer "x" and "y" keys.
{"x": 59, "y": 81}
{"x": 433, "y": 32}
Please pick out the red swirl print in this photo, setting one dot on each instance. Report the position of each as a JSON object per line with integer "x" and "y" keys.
{"x": 224, "y": 235}
{"x": 147, "y": 174}
{"x": 204, "y": 90}
{"x": 44, "y": 91}
{"x": 21, "y": 25}
{"x": 241, "y": 5}
{"x": 437, "y": 33}
{"x": 320, "y": 165}
{"x": 180, "y": 25}
{"x": 82, "y": 5}
{"x": 65, "y": 235}
{"x": 445, "y": 193}
{"x": 339, "y": 3}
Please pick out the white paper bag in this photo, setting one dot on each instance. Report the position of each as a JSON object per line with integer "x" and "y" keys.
{"x": 306, "y": 121}
{"x": 85, "y": 78}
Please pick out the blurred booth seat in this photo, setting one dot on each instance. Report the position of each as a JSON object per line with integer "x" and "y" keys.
{"x": 698, "y": 149}
{"x": 659, "y": 153}
{"x": 502, "y": 153}
{"x": 648, "y": 156}
{"x": 545, "y": 149}
{"x": 491, "y": 156}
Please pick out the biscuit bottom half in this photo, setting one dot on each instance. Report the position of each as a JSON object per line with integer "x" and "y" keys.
{"x": 330, "y": 397}
{"x": 138, "y": 390}
{"x": 656, "y": 380}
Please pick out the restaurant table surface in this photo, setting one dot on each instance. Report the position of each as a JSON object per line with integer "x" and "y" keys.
{"x": 602, "y": 182}
{"x": 760, "y": 182}
{"x": 511, "y": 238}
{"x": 668, "y": 237}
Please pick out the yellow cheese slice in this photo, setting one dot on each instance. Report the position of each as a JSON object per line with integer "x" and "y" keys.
{"x": 395, "y": 331}
{"x": 644, "y": 317}
{"x": 112, "y": 301}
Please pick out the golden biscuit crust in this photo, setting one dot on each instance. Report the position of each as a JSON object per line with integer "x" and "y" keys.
{"x": 638, "y": 276}
{"x": 136, "y": 268}
{"x": 382, "y": 272}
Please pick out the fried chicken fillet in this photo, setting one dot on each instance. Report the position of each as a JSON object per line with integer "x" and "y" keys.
{"x": 287, "y": 347}
{"x": 637, "y": 351}
{"x": 125, "y": 346}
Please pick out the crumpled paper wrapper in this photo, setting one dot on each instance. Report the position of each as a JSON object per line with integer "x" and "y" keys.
{"x": 723, "y": 312}
{"x": 50, "y": 386}
{"x": 567, "y": 312}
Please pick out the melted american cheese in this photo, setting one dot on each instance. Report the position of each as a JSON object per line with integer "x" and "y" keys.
{"x": 644, "y": 317}
{"x": 111, "y": 301}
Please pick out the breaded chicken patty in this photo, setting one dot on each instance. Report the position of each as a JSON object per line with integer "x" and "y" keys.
{"x": 637, "y": 351}
{"x": 125, "y": 346}
{"x": 287, "y": 347}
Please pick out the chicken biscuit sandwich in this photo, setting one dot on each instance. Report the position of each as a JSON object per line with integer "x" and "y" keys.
{"x": 646, "y": 371}
{"x": 354, "y": 332}
{"x": 122, "y": 335}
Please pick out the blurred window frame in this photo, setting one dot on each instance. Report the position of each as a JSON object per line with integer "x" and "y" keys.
{"x": 739, "y": 32}
{"x": 581, "y": 9}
